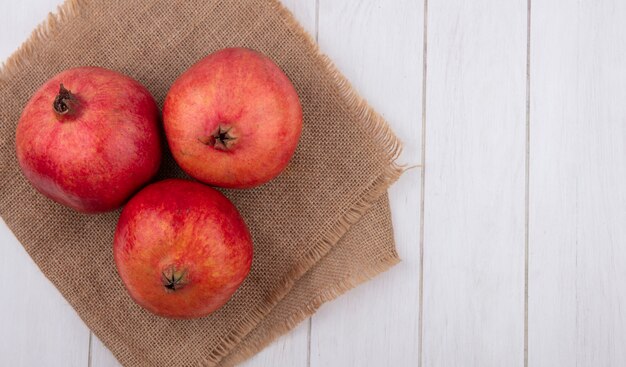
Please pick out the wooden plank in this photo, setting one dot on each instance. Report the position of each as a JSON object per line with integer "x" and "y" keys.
{"x": 100, "y": 355}
{"x": 474, "y": 228}
{"x": 290, "y": 350}
{"x": 306, "y": 13}
{"x": 38, "y": 327}
{"x": 21, "y": 17}
{"x": 577, "y": 193}
{"x": 378, "y": 45}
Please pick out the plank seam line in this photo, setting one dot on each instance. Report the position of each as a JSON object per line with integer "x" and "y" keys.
{"x": 527, "y": 185}
{"x": 89, "y": 355}
{"x": 317, "y": 21}
{"x": 420, "y": 336}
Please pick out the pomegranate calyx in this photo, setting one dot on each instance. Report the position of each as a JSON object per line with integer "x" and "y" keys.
{"x": 222, "y": 138}
{"x": 173, "y": 279}
{"x": 65, "y": 102}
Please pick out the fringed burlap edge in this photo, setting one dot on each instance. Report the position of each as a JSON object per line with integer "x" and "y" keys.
{"x": 351, "y": 281}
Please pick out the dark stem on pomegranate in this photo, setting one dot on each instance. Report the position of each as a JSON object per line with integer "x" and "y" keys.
{"x": 174, "y": 279}
{"x": 65, "y": 102}
{"x": 222, "y": 138}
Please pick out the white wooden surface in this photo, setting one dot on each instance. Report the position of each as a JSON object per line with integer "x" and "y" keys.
{"x": 377, "y": 44}
{"x": 473, "y": 305}
{"x": 577, "y": 273}
{"x": 496, "y": 178}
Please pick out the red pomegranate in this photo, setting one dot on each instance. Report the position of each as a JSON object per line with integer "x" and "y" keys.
{"x": 233, "y": 119}
{"x": 89, "y": 138}
{"x": 181, "y": 249}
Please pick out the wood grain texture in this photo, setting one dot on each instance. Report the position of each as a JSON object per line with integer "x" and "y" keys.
{"x": 100, "y": 355}
{"x": 306, "y": 13}
{"x": 19, "y": 18}
{"x": 290, "y": 350}
{"x": 37, "y": 326}
{"x": 378, "y": 45}
{"x": 577, "y": 297}
{"x": 473, "y": 300}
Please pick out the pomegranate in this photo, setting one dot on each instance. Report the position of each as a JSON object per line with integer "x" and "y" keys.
{"x": 181, "y": 249}
{"x": 89, "y": 138}
{"x": 233, "y": 119}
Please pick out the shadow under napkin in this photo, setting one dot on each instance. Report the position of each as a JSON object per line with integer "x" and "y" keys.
{"x": 343, "y": 164}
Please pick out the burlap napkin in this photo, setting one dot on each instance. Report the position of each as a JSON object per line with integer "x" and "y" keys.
{"x": 344, "y": 163}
